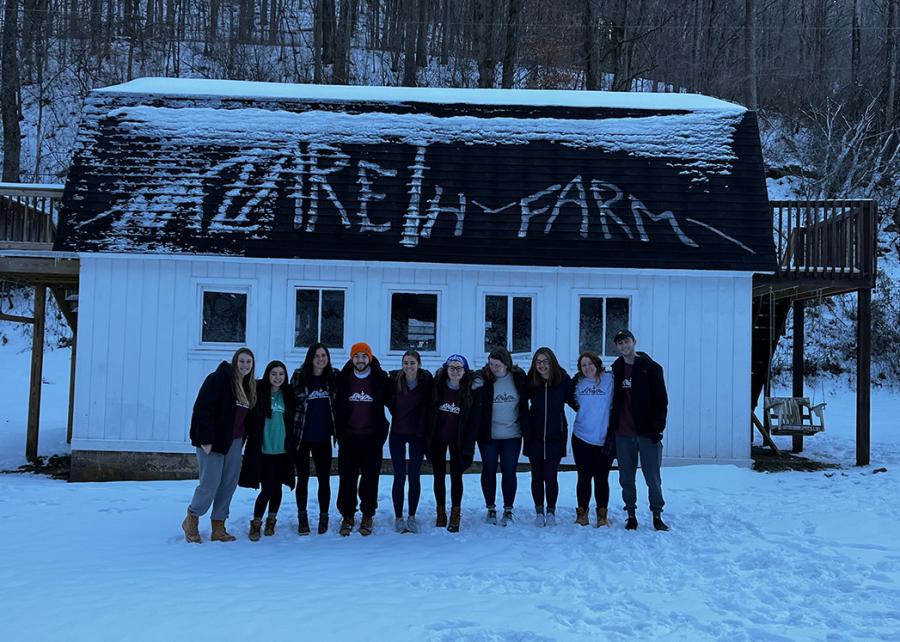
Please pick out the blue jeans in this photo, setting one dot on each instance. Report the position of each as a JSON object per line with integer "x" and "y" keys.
{"x": 507, "y": 452}
{"x": 397, "y": 445}
{"x": 629, "y": 450}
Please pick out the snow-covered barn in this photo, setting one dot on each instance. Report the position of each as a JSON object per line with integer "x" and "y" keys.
{"x": 212, "y": 214}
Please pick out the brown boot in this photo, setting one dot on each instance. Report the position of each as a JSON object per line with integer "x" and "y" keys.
{"x": 581, "y": 516}
{"x": 453, "y": 527}
{"x": 191, "y": 528}
{"x": 270, "y": 525}
{"x": 219, "y": 534}
{"x": 441, "y": 521}
{"x": 602, "y": 517}
{"x": 366, "y": 526}
{"x": 255, "y": 525}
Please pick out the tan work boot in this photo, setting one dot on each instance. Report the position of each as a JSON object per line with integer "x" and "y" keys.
{"x": 219, "y": 534}
{"x": 601, "y": 517}
{"x": 255, "y": 525}
{"x": 366, "y": 526}
{"x": 581, "y": 516}
{"x": 270, "y": 525}
{"x": 455, "y": 516}
{"x": 191, "y": 528}
{"x": 441, "y": 521}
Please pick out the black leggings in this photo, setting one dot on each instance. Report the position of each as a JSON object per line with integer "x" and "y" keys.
{"x": 593, "y": 466}
{"x": 439, "y": 465}
{"x": 544, "y": 475}
{"x": 271, "y": 467}
{"x": 321, "y": 456}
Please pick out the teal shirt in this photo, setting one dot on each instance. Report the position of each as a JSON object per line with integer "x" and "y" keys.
{"x": 273, "y": 434}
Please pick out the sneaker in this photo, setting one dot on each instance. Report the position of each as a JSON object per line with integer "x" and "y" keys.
{"x": 491, "y": 515}
{"x": 507, "y": 518}
{"x": 366, "y": 526}
{"x": 658, "y": 524}
{"x": 539, "y": 520}
{"x": 302, "y": 523}
{"x": 551, "y": 518}
{"x": 399, "y": 524}
{"x": 412, "y": 526}
{"x": 347, "y": 526}
{"x": 631, "y": 523}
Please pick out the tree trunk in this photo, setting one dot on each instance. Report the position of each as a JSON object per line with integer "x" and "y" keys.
{"x": 318, "y": 32}
{"x": 591, "y": 20}
{"x": 213, "y": 20}
{"x": 750, "y": 94}
{"x": 856, "y": 41}
{"x": 890, "y": 70}
{"x": 246, "y": 19}
{"x": 329, "y": 20}
{"x": 511, "y": 49}
{"x": 422, "y": 35}
{"x": 346, "y": 24}
{"x": 9, "y": 92}
{"x": 485, "y": 36}
{"x": 410, "y": 10}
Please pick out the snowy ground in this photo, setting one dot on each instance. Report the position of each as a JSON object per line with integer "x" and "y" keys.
{"x": 786, "y": 556}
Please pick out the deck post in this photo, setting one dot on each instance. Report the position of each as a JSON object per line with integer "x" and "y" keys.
{"x": 797, "y": 363}
{"x": 37, "y": 366}
{"x": 863, "y": 375}
{"x": 71, "y": 414}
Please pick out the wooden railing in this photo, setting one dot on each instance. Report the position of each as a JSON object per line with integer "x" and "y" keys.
{"x": 826, "y": 240}
{"x": 28, "y": 212}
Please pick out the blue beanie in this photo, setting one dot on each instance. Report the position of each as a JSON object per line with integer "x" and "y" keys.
{"x": 457, "y": 357}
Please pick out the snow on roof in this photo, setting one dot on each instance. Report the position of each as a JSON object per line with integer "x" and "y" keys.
{"x": 343, "y": 93}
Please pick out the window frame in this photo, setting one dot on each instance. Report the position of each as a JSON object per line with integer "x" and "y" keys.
{"x": 509, "y": 292}
{"x": 578, "y": 295}
{"x": 246, "y": 287}
{"x": 390, "y": 291}
{"x": 291, "y": 307}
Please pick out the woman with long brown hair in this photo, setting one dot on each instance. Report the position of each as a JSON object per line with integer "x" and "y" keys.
{"x": 217, "y": 432}
{"x": 545, "y": 441}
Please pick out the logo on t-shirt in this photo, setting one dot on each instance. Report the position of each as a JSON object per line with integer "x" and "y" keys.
{"x": 626, "y": 384}
{"x": 593, "y": 389}
{"x": 361, "y": 397}
{"x": 319, "y": 394}
{"x": 449, "y": 407}
{"x": 504, "y": 397}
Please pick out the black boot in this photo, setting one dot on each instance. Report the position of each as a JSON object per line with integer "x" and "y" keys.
{"x": 302, "y": 522}
{"x": 658, "y": 524}
{"x": 323, "y": 523}
{"x": 631, "y": 523}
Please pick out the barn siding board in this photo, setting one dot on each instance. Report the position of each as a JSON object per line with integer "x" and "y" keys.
{"x": 163, "y": 339}
{"x": 693, "y": 380}
{"x": 709, "y": 364}
{"x": 725, "y": 385}
{"x": 133, "y": 284}
{"x": 87, "y": 345}
{"x": 675, "y": 365}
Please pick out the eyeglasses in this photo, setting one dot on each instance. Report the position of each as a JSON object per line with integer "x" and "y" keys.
{"x": 455, "y": 368}
{"x": 542, "y": 362}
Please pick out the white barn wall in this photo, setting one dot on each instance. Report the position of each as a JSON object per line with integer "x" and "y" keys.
{"x": 140, "y": 363}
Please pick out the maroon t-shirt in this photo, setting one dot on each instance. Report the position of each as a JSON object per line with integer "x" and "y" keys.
{"x": 362, "y": 406}
{"x": 447, "y": 429}
{"x": 240, "y": 414}
{"x": 407, "y": 411}
{"x": 626, "y": 426}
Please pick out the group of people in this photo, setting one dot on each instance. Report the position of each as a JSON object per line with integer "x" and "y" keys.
{"x": 265, "y": 433}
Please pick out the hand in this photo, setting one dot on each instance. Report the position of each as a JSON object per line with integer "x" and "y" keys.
{"x": 657, "y": 438}
{"x": 207, "y": 448}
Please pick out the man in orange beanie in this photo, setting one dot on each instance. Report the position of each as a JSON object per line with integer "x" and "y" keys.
{"x": 362, "y": 429}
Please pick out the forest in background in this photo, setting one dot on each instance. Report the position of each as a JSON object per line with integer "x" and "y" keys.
{"x": 822, "y": 75}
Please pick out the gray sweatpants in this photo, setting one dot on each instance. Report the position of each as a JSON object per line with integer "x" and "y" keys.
{"x": 628, "y": 451}
{"x": 218, "y": 480}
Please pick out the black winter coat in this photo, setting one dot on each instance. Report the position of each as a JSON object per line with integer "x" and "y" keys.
{"x": 469, "y": 425}
{"x": 649, "y": 401}
{"x": 487, "y": 405}
{"x": 342, "y": 405}
{"x": 426, "y": 381}
{"x": 212, "y": 420}
{"x": 255, "y": 425}
{"x": 547, "y": 425}
{"x": 300, "y": 388}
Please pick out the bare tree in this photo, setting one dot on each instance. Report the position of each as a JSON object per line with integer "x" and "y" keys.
{"x": 346, "y": 26}
{"x": 410, "y": 32}
{"x": 510, "y": 49}
{"x": 890, "y": 76}
{"x": 750, "y": 73}
{"x": 10, "y": 92}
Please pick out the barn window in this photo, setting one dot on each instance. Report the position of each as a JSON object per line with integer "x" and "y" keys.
{"x": 319, "y": 318}
{"x": 224, "y": 317}
{"x": 598, "y": 321}
{"x": 414, "y": 321}
{"x": 507, "y": 323}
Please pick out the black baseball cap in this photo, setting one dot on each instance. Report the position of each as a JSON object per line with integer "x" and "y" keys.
{"x": 621, "y": 335}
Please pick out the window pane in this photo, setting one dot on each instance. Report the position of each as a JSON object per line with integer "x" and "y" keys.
{"x": 306, "y": 330}
{"x": 224, "y": 317}
{"x": 333, "y": 318}
{"x": 414, "y": 322}
{"x": 590, "y": 325}
{"x": 496, "y": 318}
{"x": 616, "y": 319}
{"x": 521, "y": 324}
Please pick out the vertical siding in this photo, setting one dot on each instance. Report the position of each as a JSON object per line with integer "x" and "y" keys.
{"x": 140, "y": 367}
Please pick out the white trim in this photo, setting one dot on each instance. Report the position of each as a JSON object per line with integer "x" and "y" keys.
{"x": 390, "y": 289}
{"x": 119, "y": 445}
{"x": 600, "y": 293}
{"x": 314, "y": 284}
{"x": 412, "y": 265}
{"x": 509, "y": 291}
{"x": 200, "y": 285}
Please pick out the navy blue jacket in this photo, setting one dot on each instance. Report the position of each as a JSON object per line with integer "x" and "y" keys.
{"x": 255, "y": 425}
{"x": 547, "y": 425}
{"x": 300, "y": 388}
{"x": 649, "y": 401}
{"x": 212, "y": 420}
